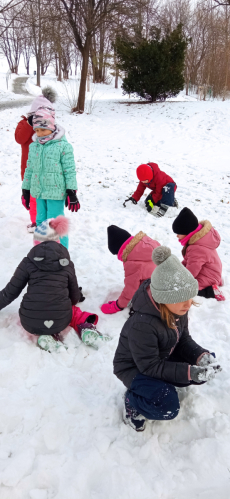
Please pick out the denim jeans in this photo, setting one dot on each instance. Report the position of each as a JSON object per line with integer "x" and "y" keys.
{"x": 153, "y": 398}
{"x": 167, "y": 195}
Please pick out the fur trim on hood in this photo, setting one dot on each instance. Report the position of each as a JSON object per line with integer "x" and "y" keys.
{"x": 207, "y": 226}
{"x": 136, "y": 239}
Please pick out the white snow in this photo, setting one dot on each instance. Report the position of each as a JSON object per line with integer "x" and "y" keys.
{"x": 61, "y": 429}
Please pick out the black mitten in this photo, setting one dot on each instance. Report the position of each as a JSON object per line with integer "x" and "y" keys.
{"x": 82, "y": 297}
{"x": 149, "y": 203}
{"x": 130, "y": 199}
{"x": 71, "y": 201}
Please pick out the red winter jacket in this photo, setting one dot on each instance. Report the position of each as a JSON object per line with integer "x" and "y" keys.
{"x": 160, "y": 179}
{"x": 23, "y": 136}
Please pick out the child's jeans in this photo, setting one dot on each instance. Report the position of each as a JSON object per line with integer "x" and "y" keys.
{"x": 50, "y": 208}
{"x": 153, "y": 398}
{"x": 33, "y": 210}
{"x": 167, "y": 194}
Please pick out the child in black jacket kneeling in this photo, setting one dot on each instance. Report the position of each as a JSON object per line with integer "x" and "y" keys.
{"x": 155, "y": 352}
{"x": 48, "y": 306}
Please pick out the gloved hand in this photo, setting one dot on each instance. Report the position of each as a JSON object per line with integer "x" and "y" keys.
{"x": 26, "y": 198}
{"x": 201, "y": 374}
{"x": 130, "y": 199}
{"x": 111, "y": 308}
{"x": 149, "y": 203}
{"x": 71, "y": 201}
{"x": 82, "y": 297}
{"x": 206, "y": 359}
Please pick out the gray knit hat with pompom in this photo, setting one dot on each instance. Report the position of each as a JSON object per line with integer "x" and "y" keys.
{"x": 171, "y": 282}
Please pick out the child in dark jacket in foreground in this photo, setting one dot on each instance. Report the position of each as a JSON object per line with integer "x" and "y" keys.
{"x": 136, "y": 254}
{"x": 200, "y": 241}
{"x": 155, "y": 352}
{"x": 48, "y": 306}
{"x": 162, "y": 188}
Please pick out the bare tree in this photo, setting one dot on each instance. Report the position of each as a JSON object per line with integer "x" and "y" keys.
{"x": 11, "y": 39}
{"x": 85, "y": 18}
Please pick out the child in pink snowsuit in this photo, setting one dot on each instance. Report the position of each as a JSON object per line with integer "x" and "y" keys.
{"x": 136, "y": 254}
{"x": 200, "y": 241}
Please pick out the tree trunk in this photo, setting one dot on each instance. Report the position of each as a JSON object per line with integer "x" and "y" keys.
{"x": 59, "y": 68}
{"x": 28, "y": 67}
{"x": 116, "y": 79}
{"x": 38, "y": 57}
{"x": 38, "y": 71}
{"x": 85, "y": 61}
{"x": 56, "y": 64}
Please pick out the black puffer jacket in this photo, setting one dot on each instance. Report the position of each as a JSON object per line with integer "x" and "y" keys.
{"x": 146, "y": 344}
{"x": 46, "y": 308}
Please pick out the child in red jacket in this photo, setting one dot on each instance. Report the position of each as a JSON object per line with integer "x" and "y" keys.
{"x": 200, "y": 241}
{"x": 23, "y": 136}
{"x": 162, "y": 188}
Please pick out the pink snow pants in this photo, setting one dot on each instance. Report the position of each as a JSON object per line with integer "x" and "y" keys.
{"x": 80, "y": 317}
{"x": 33, "y": 210}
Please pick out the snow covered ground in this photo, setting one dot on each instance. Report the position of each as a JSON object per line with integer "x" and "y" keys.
{"x": 61, "y": 430}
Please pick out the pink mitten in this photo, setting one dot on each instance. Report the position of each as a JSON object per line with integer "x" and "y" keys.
{"x": 110, "y": 308}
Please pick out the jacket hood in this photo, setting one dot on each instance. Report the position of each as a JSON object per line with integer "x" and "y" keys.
{"x": 49, "y": 256}
{"x": 142, "y": 303}
{"x": 60, "y": 134}
{"x": 207, "y": 236}
{"x": 131, "y": 245}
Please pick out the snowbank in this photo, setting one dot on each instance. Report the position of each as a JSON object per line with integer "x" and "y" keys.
{"x": 61, "y": 429}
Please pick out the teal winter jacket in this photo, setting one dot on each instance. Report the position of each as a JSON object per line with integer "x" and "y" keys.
{"x": 50, "y": 169}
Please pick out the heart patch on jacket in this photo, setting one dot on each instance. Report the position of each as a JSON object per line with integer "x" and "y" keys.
{"x": 48, "y": 323}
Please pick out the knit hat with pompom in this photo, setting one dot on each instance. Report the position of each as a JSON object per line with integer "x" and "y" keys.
{"x": 51, "y": 230}
{"x": 171, "y": 282}
{"x": 47, "y": 98}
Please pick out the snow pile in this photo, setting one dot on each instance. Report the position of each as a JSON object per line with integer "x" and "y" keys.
{"x": 61, "y": 429}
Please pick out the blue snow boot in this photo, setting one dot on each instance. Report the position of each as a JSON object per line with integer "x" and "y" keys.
{"x": 132, "y": 417}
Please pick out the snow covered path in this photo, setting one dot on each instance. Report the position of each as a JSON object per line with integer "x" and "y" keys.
{"x": 18, "y": 85}
{"x": 61, "y": 430}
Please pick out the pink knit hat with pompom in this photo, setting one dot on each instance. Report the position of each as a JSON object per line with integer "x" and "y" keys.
{"x": 51, "y": 230}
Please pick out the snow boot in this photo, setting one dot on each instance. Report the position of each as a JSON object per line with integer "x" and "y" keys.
{"x": 175, "y": 204}
{"x": 90, "y": 336}
{"x": 161, "y": 211}
{"x": 51, "y": 343}
{"x": 132, "y": 417}
{"x": 218, "y": 294}
{"x": 31, "y": 228}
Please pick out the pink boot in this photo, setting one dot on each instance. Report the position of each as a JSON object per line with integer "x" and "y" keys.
{"x": 110, "y": 308}
{"x": 218, "y": 294}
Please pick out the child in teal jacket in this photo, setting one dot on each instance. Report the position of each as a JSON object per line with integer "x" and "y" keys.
{"x": 50, "y": 175}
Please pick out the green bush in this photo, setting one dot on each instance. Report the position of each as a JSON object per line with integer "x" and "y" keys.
{"x": 154, "y": 69}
